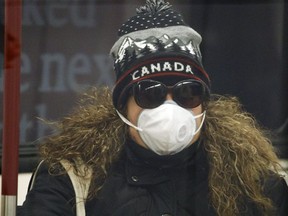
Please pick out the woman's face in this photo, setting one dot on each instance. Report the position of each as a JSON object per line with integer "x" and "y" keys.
{"x": 133, "y": 111}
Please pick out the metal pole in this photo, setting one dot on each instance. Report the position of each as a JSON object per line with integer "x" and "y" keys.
{"x": 11, "y": 110}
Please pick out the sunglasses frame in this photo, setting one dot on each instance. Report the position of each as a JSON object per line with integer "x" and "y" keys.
{"x": 171, "y": 89}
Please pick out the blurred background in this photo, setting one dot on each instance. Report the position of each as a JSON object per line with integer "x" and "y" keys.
{"x": 65, "y": 47}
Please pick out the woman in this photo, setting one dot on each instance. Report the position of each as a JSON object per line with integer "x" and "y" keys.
{"x": 164, "y": 145}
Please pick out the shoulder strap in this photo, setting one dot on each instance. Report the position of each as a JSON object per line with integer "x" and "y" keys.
{"x": 34, "y": 175}
{"x": 80, "y": 184}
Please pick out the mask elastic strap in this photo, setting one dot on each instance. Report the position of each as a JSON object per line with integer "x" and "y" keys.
{"x": 125, "y": 120}
{"x": 202, "y": 121}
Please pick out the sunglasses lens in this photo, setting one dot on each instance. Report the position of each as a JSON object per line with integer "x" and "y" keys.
{"x": 149, "y": 94}
{"x": 188, "y": 94}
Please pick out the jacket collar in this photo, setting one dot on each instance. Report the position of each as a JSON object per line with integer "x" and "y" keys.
{"x": 145, "y": 167}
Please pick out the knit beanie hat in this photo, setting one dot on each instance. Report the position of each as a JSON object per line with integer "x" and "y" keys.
{"x": 156, "y": 44}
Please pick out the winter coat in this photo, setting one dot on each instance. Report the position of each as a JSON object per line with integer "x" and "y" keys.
{"x": 143, "y": 184}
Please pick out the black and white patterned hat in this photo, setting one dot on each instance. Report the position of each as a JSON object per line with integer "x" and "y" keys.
{"x": 156, "y": 44}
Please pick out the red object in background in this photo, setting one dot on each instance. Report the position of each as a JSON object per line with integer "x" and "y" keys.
{"x": 11, "y": 103}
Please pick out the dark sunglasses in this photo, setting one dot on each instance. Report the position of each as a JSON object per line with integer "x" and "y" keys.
{"x": 150, "y": 94}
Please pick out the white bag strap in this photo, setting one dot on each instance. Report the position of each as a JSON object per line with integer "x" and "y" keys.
{"x": 80, "y": 184}
{"x": 33, "y": 177}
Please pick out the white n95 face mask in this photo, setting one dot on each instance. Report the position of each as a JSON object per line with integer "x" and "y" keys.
{"x": 166, "y": 129}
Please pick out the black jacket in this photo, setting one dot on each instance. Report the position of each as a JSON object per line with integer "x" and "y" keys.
{"x": 139, "y": 184}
